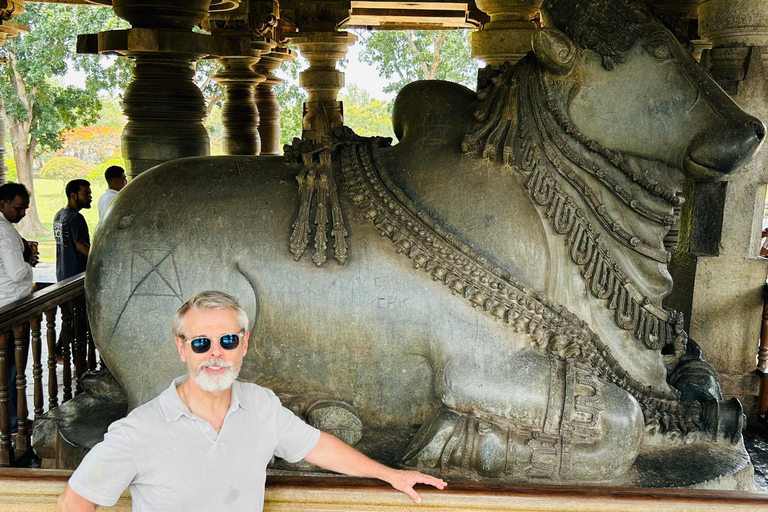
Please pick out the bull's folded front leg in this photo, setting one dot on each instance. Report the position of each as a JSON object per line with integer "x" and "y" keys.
{"x": 527, "y": 418}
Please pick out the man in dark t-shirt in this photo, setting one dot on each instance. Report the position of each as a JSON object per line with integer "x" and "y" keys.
{"x": 71, "y": 231}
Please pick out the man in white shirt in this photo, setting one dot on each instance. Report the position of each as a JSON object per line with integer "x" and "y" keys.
{"x": 16, "y": 257}
{"x": 116, "y": 180}
{"x": 205, "y": 442}
{"x": 16, "y": 261}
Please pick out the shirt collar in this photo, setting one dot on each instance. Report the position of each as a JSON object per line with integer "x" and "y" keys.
{"x": 173, "y": 408}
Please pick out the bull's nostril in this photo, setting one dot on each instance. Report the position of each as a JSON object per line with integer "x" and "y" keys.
{"x": 759, "y": 128}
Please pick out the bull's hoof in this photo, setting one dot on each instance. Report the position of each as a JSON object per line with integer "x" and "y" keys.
{"x": 694, "y": 377}
{"x": 724, "y": 421}
{"x": 594, "y": 435}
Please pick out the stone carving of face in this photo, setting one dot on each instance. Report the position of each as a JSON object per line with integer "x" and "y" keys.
{"x": 646, "y": 96}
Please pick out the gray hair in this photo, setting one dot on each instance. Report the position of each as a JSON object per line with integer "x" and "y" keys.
{"x": 210, "y": 299}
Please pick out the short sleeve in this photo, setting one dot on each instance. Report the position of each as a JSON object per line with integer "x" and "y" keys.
{"x": 80, "y": 229}
{"x": 109, "y": 468}
{"x": 295, "y": 439}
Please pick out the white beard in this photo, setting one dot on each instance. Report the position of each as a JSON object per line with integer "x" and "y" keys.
{"x": 214, "y": 383}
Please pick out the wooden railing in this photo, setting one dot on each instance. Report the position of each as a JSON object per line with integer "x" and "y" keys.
{"x": 762, "y": 362}
{"x": 25, "y": 323}
{"x": 33, "y": 490}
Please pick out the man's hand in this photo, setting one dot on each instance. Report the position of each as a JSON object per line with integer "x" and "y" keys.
{"x": 30, "y": 256}
{"x": 404, "y": 481}
{"x": 334, "y": 454}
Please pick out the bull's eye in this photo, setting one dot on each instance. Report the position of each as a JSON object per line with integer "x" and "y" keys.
{"x": 659, "y": 50}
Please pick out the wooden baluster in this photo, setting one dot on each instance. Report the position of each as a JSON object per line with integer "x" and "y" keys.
{"x": 66, "y": 341}
{"x": 37, "y": 364}
{"x": 762, "y": 358}
{"x": 6, "y": 451}
{"x": 92, "y": 360}
{"x": 53, "y": 385}
{"x": 21, "y": 340}
{"x": 79, "y": 343}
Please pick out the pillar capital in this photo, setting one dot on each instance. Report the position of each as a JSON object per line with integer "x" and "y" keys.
{"x": 732, "y": 23}
{"x": 322, "y": 80}
{"x": 507, "y": 36}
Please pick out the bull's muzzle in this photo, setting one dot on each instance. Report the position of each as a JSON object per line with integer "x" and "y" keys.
{"x": 719, "y": 151}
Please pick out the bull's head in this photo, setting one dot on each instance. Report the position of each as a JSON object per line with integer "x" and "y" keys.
{"x": 632, "y": 86}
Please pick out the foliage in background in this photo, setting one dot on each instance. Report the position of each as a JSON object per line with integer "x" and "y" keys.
{"x": 404, "y": 56}
{"x": 213, "y": 93}
{"x": 365, "y": 115}
{"x": 291, "y": 98}
{"x": 64, "y": 168}
{"x": 38, "y": 105}
{"x": 93, "y": 144}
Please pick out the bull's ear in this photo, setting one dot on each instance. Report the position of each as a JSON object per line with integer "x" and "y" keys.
{"x": 555, "y": 50}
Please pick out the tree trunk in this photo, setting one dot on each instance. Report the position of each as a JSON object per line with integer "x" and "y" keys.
{"x": 30, "y": 226}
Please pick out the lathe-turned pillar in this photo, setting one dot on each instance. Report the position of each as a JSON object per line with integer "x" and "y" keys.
{"x": 507, "y": 37}
{"x": 718, "y": 275}
{"x": 266, "y": 100}
{"x": 322, "y": 81}
{"x": 164, "y": 106}
{"x": 239, "y": 115}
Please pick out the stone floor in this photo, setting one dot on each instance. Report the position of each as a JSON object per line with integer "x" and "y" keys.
{"x": 756, "y": 442}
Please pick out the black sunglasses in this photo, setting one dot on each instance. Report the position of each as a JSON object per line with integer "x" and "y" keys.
{"x": 202, "y": 344}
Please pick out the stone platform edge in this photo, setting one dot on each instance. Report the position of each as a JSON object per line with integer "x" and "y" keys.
{"x": 33, "y": 490}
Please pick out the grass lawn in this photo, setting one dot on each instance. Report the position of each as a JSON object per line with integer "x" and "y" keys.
{"x": 50, "y": 199}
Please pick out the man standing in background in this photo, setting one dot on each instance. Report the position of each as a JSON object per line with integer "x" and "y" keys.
{"x": 116, "y": 180}
{"x": 16, "y": 256}
{"x": 16, "y": 261}
{"x": 71, "y": 231}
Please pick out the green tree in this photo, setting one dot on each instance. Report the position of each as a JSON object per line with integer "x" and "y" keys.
{"x": 64, "y": 168}
{"x": 38, "y": 104}
{"x": 367, "y": 116}
{"x": 404, "y": 56}
{"x": 291, "y": 98}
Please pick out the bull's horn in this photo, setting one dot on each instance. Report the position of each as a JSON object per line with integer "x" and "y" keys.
{"x": 555, "y": 50}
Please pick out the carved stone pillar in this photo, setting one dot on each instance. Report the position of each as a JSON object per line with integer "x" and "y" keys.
{"x": 322, "y": 80}
{"x": 165, "y": 108}
{"x": 718, "y": 274}
{"x": 266, "y": 100}
{"x": 507, "y": 37}
{"x": 240, "y": 116}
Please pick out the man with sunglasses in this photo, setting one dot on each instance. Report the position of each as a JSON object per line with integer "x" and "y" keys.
{"x": 205, "y": 442}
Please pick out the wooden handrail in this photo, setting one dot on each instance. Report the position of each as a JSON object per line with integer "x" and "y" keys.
{"x": 39, "y": 489}
{"x": 40, "y": 301}
{"x": 21, "y": 329}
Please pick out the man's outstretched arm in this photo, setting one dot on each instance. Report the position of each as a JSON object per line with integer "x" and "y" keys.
{"x": 334, "y": 454}
{"x": 70, "y": 501}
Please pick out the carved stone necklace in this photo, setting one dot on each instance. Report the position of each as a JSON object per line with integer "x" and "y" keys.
{"x": 513, "y": 120}
{"x": 554, "y": 331}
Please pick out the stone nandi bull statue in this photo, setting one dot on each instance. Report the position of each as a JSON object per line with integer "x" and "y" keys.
{"x": 499, "y": 272}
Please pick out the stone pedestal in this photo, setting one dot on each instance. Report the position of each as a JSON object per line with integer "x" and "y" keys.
{"x": 718, "y": 275}
{"x": 322, "y": 80}
{"x": 507, "y": 37}
{"x": 266, "y": 100}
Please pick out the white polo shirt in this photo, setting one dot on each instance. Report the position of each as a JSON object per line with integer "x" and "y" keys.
{"x": 15, "y": 273}
{"x": 174, "y": 460}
